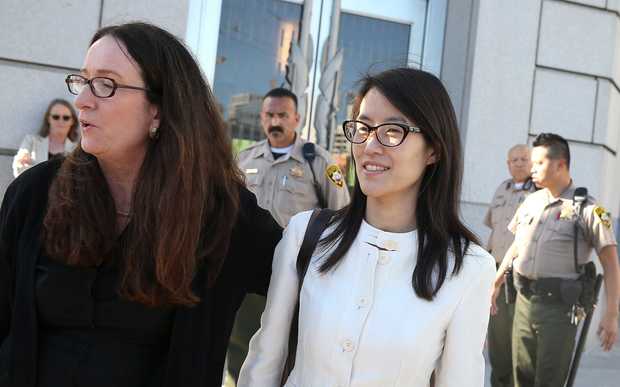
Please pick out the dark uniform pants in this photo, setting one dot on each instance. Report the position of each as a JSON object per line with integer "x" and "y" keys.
{"x": 542, "y": 341}
{"x": 246, "y": 324}
{"x": 500, "y": 343}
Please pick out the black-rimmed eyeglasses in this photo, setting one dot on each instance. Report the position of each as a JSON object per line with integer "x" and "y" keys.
{"x": 101, "y": 87}
{"x": 388, "y": 134}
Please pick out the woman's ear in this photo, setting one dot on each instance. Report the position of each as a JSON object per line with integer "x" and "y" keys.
{"x": 431, "y": 157}
{"x": 156, "y": 116}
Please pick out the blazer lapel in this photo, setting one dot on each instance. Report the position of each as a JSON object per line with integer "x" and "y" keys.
{"x": 42, "y": 149}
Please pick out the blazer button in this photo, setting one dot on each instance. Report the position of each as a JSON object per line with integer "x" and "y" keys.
{"x": 347, "y": 346}
{"x": 362, "y": 302}
{"x": 384, "y": 259}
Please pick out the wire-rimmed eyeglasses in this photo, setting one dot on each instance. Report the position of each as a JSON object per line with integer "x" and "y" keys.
{"x": 101, "y": 87}
{"x": 388, "y": 134}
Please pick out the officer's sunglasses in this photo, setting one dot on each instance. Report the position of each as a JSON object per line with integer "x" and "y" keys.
{"x": 57, "y": 117}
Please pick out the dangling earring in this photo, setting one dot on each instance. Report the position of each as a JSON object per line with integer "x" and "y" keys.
{"x": 153, "y": 133}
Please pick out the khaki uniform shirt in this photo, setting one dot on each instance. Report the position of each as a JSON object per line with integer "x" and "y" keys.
{"x": 544, "y": 234}
{"x": 284, "y": 186}
{"x": 505, "y": 202}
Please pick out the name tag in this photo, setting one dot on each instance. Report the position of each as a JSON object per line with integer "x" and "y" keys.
{"x": 251, "y": 171}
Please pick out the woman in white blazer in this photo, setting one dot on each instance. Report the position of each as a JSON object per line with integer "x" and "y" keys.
{"x": 56, "y": 138}
{"x": 398, "y": 286}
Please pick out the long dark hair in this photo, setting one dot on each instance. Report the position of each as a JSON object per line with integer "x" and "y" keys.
{"x": 421, "y": 97}
{"x": 44, "y": 130}
{"x": 187, "y": 191}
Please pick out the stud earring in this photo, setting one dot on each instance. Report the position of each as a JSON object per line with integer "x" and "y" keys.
{"x": 153, "y": 133}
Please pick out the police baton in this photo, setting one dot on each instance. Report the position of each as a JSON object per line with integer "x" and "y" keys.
{"x": 583, "y": 336}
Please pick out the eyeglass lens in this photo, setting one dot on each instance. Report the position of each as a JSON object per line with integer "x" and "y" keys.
{"x": 101, "y": 87}
{"x": 387, "y": 134}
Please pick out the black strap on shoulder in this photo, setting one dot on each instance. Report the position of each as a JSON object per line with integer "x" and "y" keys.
{"x": 529, "y": 184}
{"x": 318, "y": 222}
{"x": 309, "y": 153}
{"x": 579, "y": 198}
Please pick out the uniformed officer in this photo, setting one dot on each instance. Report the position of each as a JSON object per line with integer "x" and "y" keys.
{"x": 508, "y": 196}
{"x": 543, "y": 328}
{"x": 276, "y": 170}
{"x": 283, "y": 181}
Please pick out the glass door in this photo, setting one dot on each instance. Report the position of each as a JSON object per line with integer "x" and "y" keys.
{"x": 316, "y": 48}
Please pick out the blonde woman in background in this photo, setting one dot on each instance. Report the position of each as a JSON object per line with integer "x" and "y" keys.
{"x": 57, "y": 137}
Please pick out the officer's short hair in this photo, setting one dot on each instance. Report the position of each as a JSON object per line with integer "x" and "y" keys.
{"x": 280, "y": 92}
{"x": 557, "y": 146}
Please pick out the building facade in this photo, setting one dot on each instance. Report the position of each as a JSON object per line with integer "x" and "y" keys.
{"x": 513, "y": 69}
{"x": 41, "y": 41}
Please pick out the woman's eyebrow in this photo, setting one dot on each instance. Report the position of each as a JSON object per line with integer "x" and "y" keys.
{"x": 389, "y": 119}
{"x": 101, "y": 72}
{"x": 396, "y": 119}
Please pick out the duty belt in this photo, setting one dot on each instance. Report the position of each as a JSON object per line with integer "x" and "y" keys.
{"x": 549, "y": 288}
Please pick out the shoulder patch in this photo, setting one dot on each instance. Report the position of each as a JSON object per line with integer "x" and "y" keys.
{"x": 334, "y": 175}
{"x": 603, "y": 216}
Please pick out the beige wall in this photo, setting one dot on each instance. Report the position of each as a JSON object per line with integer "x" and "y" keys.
{"x": 43, "y": 40}
{"x": 536, "y": 66}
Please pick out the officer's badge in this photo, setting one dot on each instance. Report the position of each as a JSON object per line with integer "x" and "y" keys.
{"x": 603, "y": 215}
{"x": 567, "y": 213}
{"x": 297, "y": 172}
{"x": 335, "y": 175}
{"x": 251, "y": 171}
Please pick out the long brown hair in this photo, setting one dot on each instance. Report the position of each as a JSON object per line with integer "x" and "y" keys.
{"x": 44, "y": 130}
{"x": 421, "y": 97}
{"x": 187, "y": 191}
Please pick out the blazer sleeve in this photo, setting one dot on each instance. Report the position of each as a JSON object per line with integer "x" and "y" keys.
{"x": 259, "y": 236}
{"x": 22, "y": 210}
{"x": 8, "y": 235}
{"x": 269, "y": 346}
{"x": 462, "y": 362}
{"x": 25, "y": 147}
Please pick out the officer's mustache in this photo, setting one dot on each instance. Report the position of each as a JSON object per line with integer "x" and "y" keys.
{"x": 275, "y": 129}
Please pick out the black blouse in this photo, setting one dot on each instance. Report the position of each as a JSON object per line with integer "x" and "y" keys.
{"x": 65, "y": 326}
{"x": 85, "y": 329}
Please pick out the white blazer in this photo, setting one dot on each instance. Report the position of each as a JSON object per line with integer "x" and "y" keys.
{"x": 362, "y": 325}
{"x": 38, "y": 147}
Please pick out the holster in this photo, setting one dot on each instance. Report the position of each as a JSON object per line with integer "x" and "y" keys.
{"x": 510, "y": 292}
{"x": 587, "y": 299}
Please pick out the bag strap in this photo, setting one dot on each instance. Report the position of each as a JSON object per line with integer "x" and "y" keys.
{"x": 317, "y": 224}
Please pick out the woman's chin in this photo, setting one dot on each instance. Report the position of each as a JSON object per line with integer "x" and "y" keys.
{"x": 90, "y": 147}
{"x": 372, "y": 190}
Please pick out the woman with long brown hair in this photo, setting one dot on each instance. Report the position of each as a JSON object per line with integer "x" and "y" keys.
{"x": 397, "y": 286}
{"x": 57, "y": 137}
{"x": 124, "y": 264}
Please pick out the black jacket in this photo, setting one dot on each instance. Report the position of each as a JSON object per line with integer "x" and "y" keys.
{"x": 199, "y": 336}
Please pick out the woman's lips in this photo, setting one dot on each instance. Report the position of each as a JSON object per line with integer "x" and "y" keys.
{"x": 371, "y": 168}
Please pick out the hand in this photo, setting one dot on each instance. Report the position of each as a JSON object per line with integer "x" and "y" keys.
{"x": 608, "y": 330}
{"x": 24, "y": 159}
{"x": 494, "y": 295}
